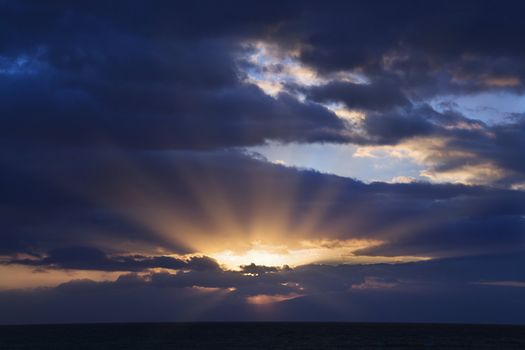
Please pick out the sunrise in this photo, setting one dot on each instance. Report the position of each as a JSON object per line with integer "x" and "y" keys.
{"x": 262, "y": 174}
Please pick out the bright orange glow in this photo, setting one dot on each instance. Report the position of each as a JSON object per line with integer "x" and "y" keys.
{"x": 307, "y": 252}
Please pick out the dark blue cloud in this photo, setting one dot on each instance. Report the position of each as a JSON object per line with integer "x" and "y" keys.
{"x": 88, "y": 258}
{"x": 450, "y": 290}
{"x": 378, "y": 95}
{"x": 102, "y": 75}
{"x": 77, "y": 198}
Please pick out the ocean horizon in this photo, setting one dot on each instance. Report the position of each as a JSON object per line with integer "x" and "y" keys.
{"x": 262, "y": 335}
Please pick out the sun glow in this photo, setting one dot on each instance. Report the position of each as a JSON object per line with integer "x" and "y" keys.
{"x": 239, "y": 228}
{"x": 324, "y": 251}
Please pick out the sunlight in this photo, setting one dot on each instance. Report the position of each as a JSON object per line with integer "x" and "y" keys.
{"x": 323, "y": 251}
{"x": 260, "y": 299}
{"x": 273, "y": 68}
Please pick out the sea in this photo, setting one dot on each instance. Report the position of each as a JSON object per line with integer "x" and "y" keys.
{"x": 272, "y": 336}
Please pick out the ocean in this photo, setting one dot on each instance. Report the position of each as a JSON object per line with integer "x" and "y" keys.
{"x": 272, "y": 336}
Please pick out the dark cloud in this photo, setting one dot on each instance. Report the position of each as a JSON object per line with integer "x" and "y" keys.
{"x": 150, "y": 112}
{"x": 90, "y": 76}
{"x": 419, "y": 39}
{"x": 259, "y": 269}
{"x": 99, "y": 76}
{"x": 459, "y": 142}
{"x": 155, "y": 201}
{"x": 452, "y": 290}
{"x": 375, "y": 96}
{"x": 88, "y": 258}
{"x": 395, "y": 127}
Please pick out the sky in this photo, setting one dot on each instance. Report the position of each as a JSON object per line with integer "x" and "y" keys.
{"x": 262, "y": 161}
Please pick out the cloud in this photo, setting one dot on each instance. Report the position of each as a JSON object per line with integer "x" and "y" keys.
{"x": 189, "y": 202}
{"x": 156, "y": 114}
{"x": 374, "y": 96}
{"x": 328, "y": 292}
{"x": 88, "y": 258}
{"x": 412, "y": 40}
{"x": 112, "y": 85}
{"x": 92, "y": 76}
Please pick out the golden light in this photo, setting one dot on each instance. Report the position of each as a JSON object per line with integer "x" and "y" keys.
{"x": 335, "y": 252}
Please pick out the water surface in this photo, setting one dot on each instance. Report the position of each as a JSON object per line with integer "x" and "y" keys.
{"x": 262, "y": 336}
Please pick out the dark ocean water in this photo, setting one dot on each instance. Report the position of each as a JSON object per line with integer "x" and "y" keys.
{"x": 262, "y": 336}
